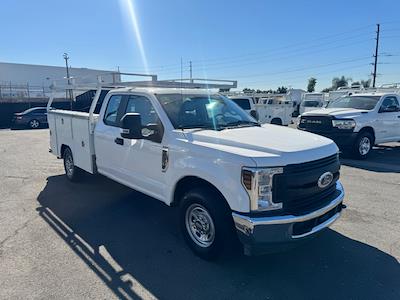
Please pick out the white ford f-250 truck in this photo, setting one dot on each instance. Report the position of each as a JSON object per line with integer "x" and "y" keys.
{"x": 357, "y": 122}
{"x": 231, "y": 177}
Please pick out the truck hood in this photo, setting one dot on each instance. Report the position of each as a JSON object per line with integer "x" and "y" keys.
{"x": 269, "y": 145}
{"x": 337, "y": 112}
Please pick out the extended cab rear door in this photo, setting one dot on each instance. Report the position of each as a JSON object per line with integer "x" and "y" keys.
{"x": 107, "y": 138}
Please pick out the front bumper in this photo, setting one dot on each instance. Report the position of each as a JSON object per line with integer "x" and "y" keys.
{"x": 342, "y": 138}
{"x": 258, "y": 233}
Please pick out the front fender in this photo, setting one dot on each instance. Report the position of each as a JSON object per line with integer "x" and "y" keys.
{"x": 224, "y": 174}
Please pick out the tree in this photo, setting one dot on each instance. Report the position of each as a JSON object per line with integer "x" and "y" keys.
{"x": 340, "y": 82}
{"x": 282, "y": 90}
{"x": 247, "y": 90}
{"x": 326, "y": 90}
{"x": 311, "y": 84}
{"x": 366, "y": 83}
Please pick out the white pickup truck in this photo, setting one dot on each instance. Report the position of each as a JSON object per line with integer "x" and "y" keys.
{"x": 231, "y": 177}
{"x": 266, "y": 110}
{"x": 357, "y": 122}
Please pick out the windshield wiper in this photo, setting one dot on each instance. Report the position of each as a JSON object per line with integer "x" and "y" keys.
{"x": 241, "y": 123}
{"x": 197, "y": 126}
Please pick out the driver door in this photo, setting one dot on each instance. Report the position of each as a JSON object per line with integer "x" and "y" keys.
{"x": 389, "y": 120}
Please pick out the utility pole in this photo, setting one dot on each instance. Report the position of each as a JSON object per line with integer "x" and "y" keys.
{"x": 68, "y": 92}
{"x": 376, "y": 55}
{"x": 191, "y": 72}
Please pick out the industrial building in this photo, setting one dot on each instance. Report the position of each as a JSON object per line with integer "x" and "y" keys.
{"x": 23, "y": 86}
{"x": 33, "y": 81}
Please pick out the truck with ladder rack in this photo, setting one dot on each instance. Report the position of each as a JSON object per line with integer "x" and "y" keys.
{"x": 190, "y": 147}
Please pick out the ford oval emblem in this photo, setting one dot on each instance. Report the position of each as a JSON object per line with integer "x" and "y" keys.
{"x": 325, "y": 179}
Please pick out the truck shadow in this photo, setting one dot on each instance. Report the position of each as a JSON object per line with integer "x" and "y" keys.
{"x": 132, "y": 243}
{"x": 383, "y": 158}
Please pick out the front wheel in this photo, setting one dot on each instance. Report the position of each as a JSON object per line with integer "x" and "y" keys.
{"x": 363, "y": 145}
{"x": 206, "y": 223}
{"x": 72, "y": 172}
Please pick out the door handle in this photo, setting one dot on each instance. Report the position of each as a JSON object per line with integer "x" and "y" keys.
{"x": 119, "y": 141}
{"x": 398, "y": 117}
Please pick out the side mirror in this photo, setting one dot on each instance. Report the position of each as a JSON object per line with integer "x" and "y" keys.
{"x": 391, "y": 108}
{"x": 254, "y": 114}
{"x": 131, "y": 126}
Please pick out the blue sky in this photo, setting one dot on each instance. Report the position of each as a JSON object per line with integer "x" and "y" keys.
{"x": 262, "y": 44}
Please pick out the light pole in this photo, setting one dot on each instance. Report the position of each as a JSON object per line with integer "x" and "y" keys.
{"x": 68, "y": 92}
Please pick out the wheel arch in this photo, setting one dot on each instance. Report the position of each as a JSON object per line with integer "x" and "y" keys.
{"x": 368, "y": 129}
{"x": 186, "y": 183}
{"x": 62, "y": 150}
{"x": 277, "y": 121}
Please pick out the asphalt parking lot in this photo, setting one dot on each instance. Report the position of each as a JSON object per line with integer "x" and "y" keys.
{"x": 100, "y": 240}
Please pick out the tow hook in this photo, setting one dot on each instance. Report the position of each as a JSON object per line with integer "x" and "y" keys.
{"x": 344, "y": 206}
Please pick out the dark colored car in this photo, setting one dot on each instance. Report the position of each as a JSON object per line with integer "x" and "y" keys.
{"x": 32, "y": 118}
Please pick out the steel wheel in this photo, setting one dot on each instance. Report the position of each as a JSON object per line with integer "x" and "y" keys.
{"x": 34, "y": 124}
{"x": 364, "y": 146}
{"x": 200, "y": 225}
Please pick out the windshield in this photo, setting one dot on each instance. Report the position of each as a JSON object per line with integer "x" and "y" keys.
{"x": 356, "y": 102}
{"x": 204, "y": 111}
{"x": 311, "y": 103}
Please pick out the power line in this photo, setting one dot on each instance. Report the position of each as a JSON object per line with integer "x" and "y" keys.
{"x": 260, "y": 54}
{"x": 307, "y": 68}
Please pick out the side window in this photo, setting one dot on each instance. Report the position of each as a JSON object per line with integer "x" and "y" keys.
{"x": 389, "y": 101}
{"x": 110, "y": 116}
{"x": 143, "y": 106}
{"x": 243, "y": 103}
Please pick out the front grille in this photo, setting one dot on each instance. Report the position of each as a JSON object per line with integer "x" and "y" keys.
{"x": 297, "y": 187}
{"x": 316, "y": 123}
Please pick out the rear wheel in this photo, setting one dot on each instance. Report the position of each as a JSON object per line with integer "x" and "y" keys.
{"x": 206, "y": 223}
{"x": 363, "y": 145}
{"x": 34, "y": 124}
{"x": 72, "y": 172}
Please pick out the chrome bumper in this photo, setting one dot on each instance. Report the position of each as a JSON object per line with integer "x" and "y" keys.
{"x": 279, "y": 229}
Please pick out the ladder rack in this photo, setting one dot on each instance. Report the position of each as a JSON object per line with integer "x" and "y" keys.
{"x": 194, "y": 83}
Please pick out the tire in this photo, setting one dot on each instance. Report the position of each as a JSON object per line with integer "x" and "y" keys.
{"x": 363, "y": 145}
{"x": 206, "y": 223}
{"x": 72, "y": 172}
{"x": 34, "y": 124}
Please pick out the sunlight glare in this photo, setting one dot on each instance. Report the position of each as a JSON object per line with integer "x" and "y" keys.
{"x": 128, "y": 9}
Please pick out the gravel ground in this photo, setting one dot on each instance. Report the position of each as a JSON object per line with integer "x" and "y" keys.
{"x": 100, "y": 240}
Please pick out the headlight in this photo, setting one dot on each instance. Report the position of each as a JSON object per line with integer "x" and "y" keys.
{"x": 344, "y": 124}
{"x": 258, "y": 184}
